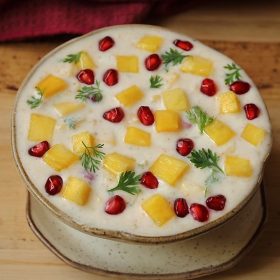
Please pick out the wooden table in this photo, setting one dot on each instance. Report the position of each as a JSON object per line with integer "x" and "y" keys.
{"x": 248, "y": 33}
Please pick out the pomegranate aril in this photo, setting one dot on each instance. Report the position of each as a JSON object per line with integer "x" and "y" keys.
{"x": 199, "y": 212}
{"x": 208, "y": 87}
{"x": 39, "y": 149}
{"x": 149, "y": 180}
{"x": 111, "y": 77}
{"x": 53, "y": 184}
{"x": 145, "y": 115}
{"x": 86, "y": 76}
{"x": 184, "y": 45}
{"x": 114, "y": 115}
{"x": 184, "y": 146}
{"x": 106, "y": 43}
{"x": 181, "y": 207}
{"x": 239, "y": 87}
{"x": 115, "y": 205}
{"x": 152, "y": 62}
{"x": 252, "y": 111}
{"x": 216, "y": 202}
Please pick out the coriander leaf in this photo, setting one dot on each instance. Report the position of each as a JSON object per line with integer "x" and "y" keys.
{"x": 155, "y": 81}
{"x": 92, "y": 156}
{"x": 72, "y": 58}
{"x": 90, "y": 92}
{"x": 233, "y": 75}
{"x": 34, "y": 101}
{"x": 128, "y": 182}
{"x": 173, "y": 56}
{"x": 197, "y": 116}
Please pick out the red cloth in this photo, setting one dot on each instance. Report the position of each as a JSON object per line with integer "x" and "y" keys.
{"x": 38, "y": 18}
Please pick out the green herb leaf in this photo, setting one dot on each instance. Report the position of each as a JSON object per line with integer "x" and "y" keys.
{"x": 155, "y": 81}
{"x": 90, "y": 92}
{"x": 128, "y": 182}
{"x": 233, "y": 75}
{"x": 92, "y": 156}
{"x": 71, "y": 122}
{"x": 34, "y": 101}
{"x": 173, "y": 56}
{"x": 72, "y": 58}
{"x": 197, "y": 116}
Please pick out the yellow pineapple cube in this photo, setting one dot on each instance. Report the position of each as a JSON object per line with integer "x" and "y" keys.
{"x": 169, "y": 169}
{"x": 76, "y": 190}
{"x": 219, "y": 132}
{"x": 229, "y": 103}
{"x": 167, "y": 120}
{"x": 138, "y": 137}
{"x": 237, "y": 166}
{"x": 78, "y": 140}
{"x": 118, "y": 163}
{"x": 130, "y": 95}
{"x": 41, "y": 128}
{"x": 253, "y": 134}
{"x": 197, "y": 65}
{"x": 59, "y": 157}
{"x": 150, "y": 43}
{"x": 66, "y": 108}
{"x": 85, "y": 61}
{"x": 176, "y": 99}
{"x": 51, "y": 85}
{"x": 127, "y": 63}
{"x": 158, "y": 209}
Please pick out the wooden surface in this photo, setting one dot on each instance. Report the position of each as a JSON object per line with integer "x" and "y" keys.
{"x": 250, "y": 34}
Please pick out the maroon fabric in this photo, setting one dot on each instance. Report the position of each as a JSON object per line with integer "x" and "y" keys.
{"x": 38, "y": 18}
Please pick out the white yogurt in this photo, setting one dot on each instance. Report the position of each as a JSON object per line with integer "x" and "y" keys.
{"x": 134, "y": 220}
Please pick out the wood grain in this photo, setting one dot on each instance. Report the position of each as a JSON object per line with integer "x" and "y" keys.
{"x": 250, "y": 35}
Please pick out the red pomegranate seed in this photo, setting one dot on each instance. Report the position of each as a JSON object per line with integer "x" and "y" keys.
{"x": 152, "y": 62}
{"x": 86, "y": 76}
{"x": 111, "y": 77}
{"x": 149, "y": 180}
{"x": 184, "y": 45}
{"x": 208, "y": 87}
{"x": 115, "y": 205}
{"x": 252, "y": 111}
{"x": 114, "y": 115}
{"x": 240, "y": 87}
{"x": 106, "y": 43}
{"x": 216, "y": 202}
{"x": 145, "y": 115}
{"x": 184, "y": 146}
{"x": 199, "y": 212}
{"x": 181, "y": 207}
{"x": 53, "y": 184}
{"x": 39, "y": 149}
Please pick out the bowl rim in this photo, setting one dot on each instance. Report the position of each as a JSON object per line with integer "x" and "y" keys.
{"x": 105, "y": 233}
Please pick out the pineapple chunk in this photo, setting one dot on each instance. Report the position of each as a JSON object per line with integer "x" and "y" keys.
{"x": 150, "y": 43}
{"x": 85, "y": 61}
{"x": 117, "y": 163}
{"x": 253, "y": 134}
{"x": 158, "y": 209}
{"x": 169, "y": 169}
{"x": 76, "y": 190}
{"x": 78, "y": 140}
{"x": 130, "y": 95}
{"x": 176, "y": 99}
{"x": 197, "y": 65}
{"x": 229, "y": 103}
{"x": 59, "y": 157}
{"x": 237, "y": 166}
{"x": 51, "y": 85}
{"x": 127, "y": 63}
{"x": 41, "y": 128}
{"x": 138, "y": 137}
{"x": 66, "y": 108}
{"x": 219, "y": 132}
{"x": 167, "y": 120}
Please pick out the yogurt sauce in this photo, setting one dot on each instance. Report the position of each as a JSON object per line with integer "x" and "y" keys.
{"x": 191, "y": 187}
